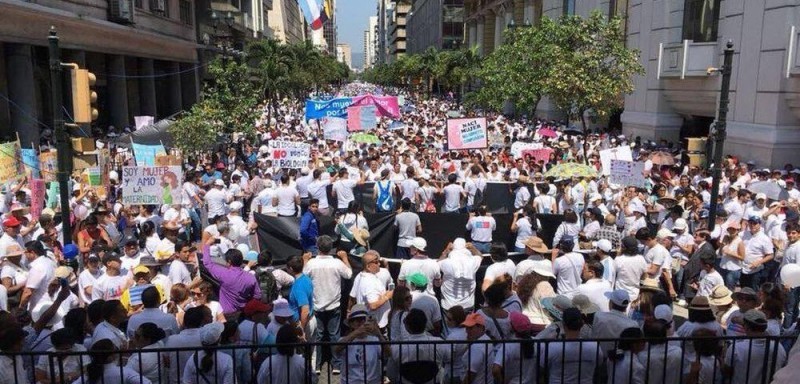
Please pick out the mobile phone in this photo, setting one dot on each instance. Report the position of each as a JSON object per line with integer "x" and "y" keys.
{"x": 64, "y": 282}
{"x": 391, "y": 286}
{"x": 217, "y": 241}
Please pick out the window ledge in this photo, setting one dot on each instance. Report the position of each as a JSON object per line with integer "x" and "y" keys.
{"x": 686, "y": 59}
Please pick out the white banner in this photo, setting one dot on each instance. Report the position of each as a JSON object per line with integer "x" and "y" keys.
{"x": 619, "y": 153}
{"x": 151, "y": 185}
{"x": 518, "y": 147}
{"x": 334, "y": 128}
{"x": 628, "y": 173}
{"x": 289, "y": 154}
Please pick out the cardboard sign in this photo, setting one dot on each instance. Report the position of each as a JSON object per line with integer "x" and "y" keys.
{"x": 9, "y": 153}
{"x": 334, "y": 128}
{"x": 466, "y": 133}
{"x": 628, "y": 173}
{"x": 289, "y": 154}
{"x": 30, "y": 163}
{"x": 542, "y": 154}
{"x": 518, "y": 147}
{"x": 619, "y": 153}
{"x": 146, "y": 154}
{"x": 48, "y": 165}
{"x": 37, "y": 197}
{"x": 151, "y": 185}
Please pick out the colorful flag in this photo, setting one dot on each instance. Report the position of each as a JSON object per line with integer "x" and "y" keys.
{"x": 324, "y": 15}
{"x": 312, "y": 12}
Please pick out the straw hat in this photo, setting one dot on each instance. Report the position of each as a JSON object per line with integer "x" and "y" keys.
{"x": 536, "y": 244}
{"x": 361, "y": 236}
{"x": 650, "y": 284}
{"x": 720, "y": 296}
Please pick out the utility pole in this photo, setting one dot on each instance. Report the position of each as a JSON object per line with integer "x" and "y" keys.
{"x": 62, "y": 138}
{"x": 720, "y": 129}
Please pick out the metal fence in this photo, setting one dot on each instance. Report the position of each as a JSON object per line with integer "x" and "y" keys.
{"x": 745, "y": 360}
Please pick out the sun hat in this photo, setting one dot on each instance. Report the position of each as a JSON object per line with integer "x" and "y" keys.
{"x": 419, "y": 243}
{"x": 361, "y": 236}
{"x": 210, "y": 333}
{"x": 700, "y": 303}
{"x": 663, "y": 312}
{"x": 255, "y": 306}
{"x": 585, "y": 305}
{"x": 280, "y": 308}
{"x": 543, "y": 268}
{"x": 649, "y": 284}
{"x": 149, "y": 261}
{"x": 519, "y": 322}
{"x": 755, "y": 317}
{"x": 13, "y": 250}
{"x": 745, "y": 293}
{"x": 474, "y": 319}
{"x": 720, "y": 296}
{"x": 536, "y": 244}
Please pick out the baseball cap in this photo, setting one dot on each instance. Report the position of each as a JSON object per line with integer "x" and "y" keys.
{"x": 761, "y": 196}
{"x": 130, "y": 240}
{"x": 755, "y": 317}
{"x": 619, "y": 297}
{"x": 630, "y": 243}
{"x": 566, "y": 242}
{"x": 474, "y": 319}
{"x": 236, "y": 205}
{"x": 111, "y": 256}
{"x": 219, "y": 183}
{"x": 604, "y": 245}
{"x": 11, "y": 222}
{"x": 358, "y": 311}
{"x": 210, "y": 333}
{"x": 664, "y": 233}
{"x": 681, "y": 224}
{"x": 792, "y": 215}
{"x": 280, "y": 308}
{"x": 419, "y": 243}
{"x": 663, "y": 312}
{"x": 754, "y": 220}
{"x": 418, "y": 279}
{"x": 585, "y": 305}
{"x": 255, "y": 306}
{"x": 141, "y": 269}
{"x": 519, "y": 322}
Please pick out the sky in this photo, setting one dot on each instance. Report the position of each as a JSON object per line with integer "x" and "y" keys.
{"x": 352, "y": 17}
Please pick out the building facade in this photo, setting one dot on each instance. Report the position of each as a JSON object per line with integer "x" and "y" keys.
{"x": 397, "y": 29}
{"x": 344, "y": 55}
{"x": 143, "y": 53}
{"x": 435, "y": 23}
{"x": 329, "y": 30}
{"x": 370, "y": 42}
{"x": 286, "y": 22}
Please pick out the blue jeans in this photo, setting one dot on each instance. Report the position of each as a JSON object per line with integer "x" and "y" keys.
{"x": 402, "y": 253}
{"x": 481, "y": 246}
{"x": 197, "y": 226}
{"x": 730, "y": 277}
{"x": 327, "y": 330}
{"x": 753, "y": 280}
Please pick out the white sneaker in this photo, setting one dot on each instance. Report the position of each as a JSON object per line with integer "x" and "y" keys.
{"x": 336, "y": 372}
{"x": 318, "y": 372}
{"x": 682, "y": 302}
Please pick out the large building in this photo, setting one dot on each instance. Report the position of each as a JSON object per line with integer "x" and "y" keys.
{"x": 679, "y": 40}
{"x": 329, "y": 30}
{"x": 397, "y": 29}
{"x": 370, "y": 42}
{"x": 435, "y": 23}
{"x": 344, "y": 55}
{"x": 287, "y": 22}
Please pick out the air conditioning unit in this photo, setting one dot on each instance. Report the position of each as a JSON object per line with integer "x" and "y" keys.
{"x": 159, "y": 6}
{"x": 121, "y": 11}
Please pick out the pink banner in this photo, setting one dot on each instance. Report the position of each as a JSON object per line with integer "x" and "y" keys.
{"x": 538, "y": 154}
{"x": 354, "y": 119}
{"x": 37, "y": 197}
{"x": 466, "y": 133}
{"x": 386, "y": 106}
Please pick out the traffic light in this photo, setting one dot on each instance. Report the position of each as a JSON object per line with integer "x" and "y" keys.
{"x": 83, "y": 97}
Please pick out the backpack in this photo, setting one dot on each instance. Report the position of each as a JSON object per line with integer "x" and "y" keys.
{"x": 268, "y": 284}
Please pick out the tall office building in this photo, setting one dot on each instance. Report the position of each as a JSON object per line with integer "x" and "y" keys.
{"x": 370, "y": 42}
{"x": 344, "y": 55}
{"x": 329, "y": 29}
{"x": 435, "y": 23}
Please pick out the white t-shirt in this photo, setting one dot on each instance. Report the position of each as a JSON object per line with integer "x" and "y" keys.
{"x": 279, "y": 368}
{"x": 629, "y": 273}
{"x": 109, "y": 287}
{"x": 426, "y": 266}
{"x": 756, "y": 246}
{"x": 369, "y": 290}
{"x": 409, "y": 187}
{"x": 510, "y": 357}
{"x": 568, "y": 269}
{"x": 427, "y": 304}
{"x": 286, "y": 196}
{"x": 524, "y": 231}
{"x": 479, "y": 361}
{"x": 358, "y": 359}
{"x": 729, "y": 263}
{"x": 264, "y": 201}
{"x": 481, "y": 228}
{"x": 659, "y": 255}
{"x": 452, "y": 197}
{"x": 544, "y": 203}
{"x": 41, "y": 273}
{"x": 595, "y": 290}
{"x": 709, "y": 281}
{"x": 499, "y": 269}
{"x": 344, "y": 192}
{"x": 178, "y": 273}
{"x": 458, "y": 279}
{"x": 318, "y": 190}
{"x": 326, "y": 274}
{"x": 216, "y": 202}
{"x": 87, "y": 279}
{"x": 563, "y": 361}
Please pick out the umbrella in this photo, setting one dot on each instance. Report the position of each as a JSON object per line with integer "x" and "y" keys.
{"x": 662, "y": 158}
{"x": 366, "y": 138}
{"x": 567, "y": 170}
{"x": 547, "y": 132}
{"x": 573, "y": 132}
{"x": 769, "y": 188}
{"x": 453, "y": 114}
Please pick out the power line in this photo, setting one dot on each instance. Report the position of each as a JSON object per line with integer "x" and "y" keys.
{"x": 151, "y": 76}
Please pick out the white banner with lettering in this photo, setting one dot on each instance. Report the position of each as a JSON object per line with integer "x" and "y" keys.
{"x": 289, "y": 154}
{"x": 628, "y": 173}
{"x": 151, "y": 185}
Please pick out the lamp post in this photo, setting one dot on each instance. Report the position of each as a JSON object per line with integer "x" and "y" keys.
{"x": 222, "y": 41}
{"x": 720, "y": 132}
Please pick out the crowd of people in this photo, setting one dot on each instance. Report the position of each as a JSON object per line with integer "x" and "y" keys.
{"x": 597, "y": 306}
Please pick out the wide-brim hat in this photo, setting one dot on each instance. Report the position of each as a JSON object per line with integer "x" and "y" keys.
{"x": 536, "y": 244}
{"x": 649, "y": 284}
{"x": 361, "y": 236}
{"x": 720, "y": 296}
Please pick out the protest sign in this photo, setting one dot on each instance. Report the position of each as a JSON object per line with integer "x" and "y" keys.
{"x": 334, "y": 128}
{"x": 518, "y": 147}
{"x": 151, "y": 185}
{"x": 146, "y": 154}
{"x": 368, "y": 119}
{"x": 541, "y": 154}
{"x": 361, "y": 118}
{"x": 385, "y": 106}
{"x": 37, "y": 197}
{"x": 289, "y": 154}
{"x": 466, "y": 133}
{"x": 316, "y": 109}
{"x": 496, "y": 140}
{"x": 48, "y": 165}
{"x": 619, "y": 153}
{"x": 627, "y": 173}
{"x": 143, "y": 121}
{"x": 30, "y": 162}
{"x": 9, "y": 152}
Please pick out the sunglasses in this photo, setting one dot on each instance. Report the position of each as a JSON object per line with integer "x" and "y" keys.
{"x": 198, "y": 293}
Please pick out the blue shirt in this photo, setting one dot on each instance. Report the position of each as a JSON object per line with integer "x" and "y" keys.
{"x": 301, "y": 294}
{"x": 206, "y": 178}
{"x": 309, "y": 230}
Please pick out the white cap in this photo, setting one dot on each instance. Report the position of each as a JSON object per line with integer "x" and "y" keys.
{"x": 459, "y": 244}
{"x": 663, "y": 312}
{"x": 235, "y": 205}
{"x": 219, "y": 183}
{"x": 113, "y": 175}
{"x": 603, "y": 245}
{"x": 680, "y": 224}
{"x": 761, "y": 196}
{"x": 305, "y": 171}
{"x": 664, "y": 233}
{"x": 595, "y": 197}
{"x": 419, "y": 243}
{"x": 210, "y": 333}
{"x": 619, "y": 297}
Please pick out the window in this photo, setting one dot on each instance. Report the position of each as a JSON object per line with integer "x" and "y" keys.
{"x": 185, "y": 11}
{"x": 138, "y": 4}
{"x": 700, "y": 20}
{"x": 160, "y": 7}
{"x": 569, "y": 7}
{"x": 617, "y": 8}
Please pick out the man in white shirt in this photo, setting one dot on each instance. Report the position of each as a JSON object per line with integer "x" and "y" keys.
{"x": 481, "y": 224}
{"x": 758, "y": 250}
{"x": 151, "y": 299}
{"x": 40, "y": 273}
{"x": 610, "y": 324}
{"x": 342, "y": 189}
{"x": 318, "y": 189}
{"x": 458, "y": 263}
{"x": 630, "y": 267}
{"x": 286, "y": 198}
{"x": 421, "y": 263}
{"x": 604, "y": 248}
{"x": 481, "y": 354}
{"x": 190, "y": 337}
{"x": 658, "y": 257}
{"x": 709, "y": 277}
{"x": 326, "y": 274}
{"x": 568, "y": 268}
{"x": 114, "y": 314}
{"x": 217, "y": 199}
{"x": 594, "y": 286}
{"x": 178, "y": 272}
{"x": 370, "y": 291}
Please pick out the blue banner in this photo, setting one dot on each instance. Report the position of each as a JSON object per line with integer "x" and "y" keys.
{"x": 368, "y": 119}
{"x": 316, "y": 109}
{"x": 31, "y": 162}
{"x": 146, "y": 154}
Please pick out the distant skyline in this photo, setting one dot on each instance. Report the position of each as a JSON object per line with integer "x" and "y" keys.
{"x": 352, "y": 17}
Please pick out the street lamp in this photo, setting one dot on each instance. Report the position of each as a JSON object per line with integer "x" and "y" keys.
{"x": 223, "y": 41}
{"x": 720, "y": 132}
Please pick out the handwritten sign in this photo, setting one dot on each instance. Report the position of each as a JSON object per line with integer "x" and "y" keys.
{"x": 619, "y": 153}
{"x": 151, "y": 185}
{"x": 289, "y": 154}
{"x": 467, "y": 133}
{"x": 334, "y": 128}
{"x": 518, "y": 147}
{"x": 48, "y": 165}
{"x": 30, "y": 162}
{"x": 146, "y": 154}
{"x": 8, "y": 161}
{"x": 37, "y": 197}
{"x": 627, "y": 173}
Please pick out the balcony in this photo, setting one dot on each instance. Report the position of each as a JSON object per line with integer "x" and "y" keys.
{"x": 686, "y": 59}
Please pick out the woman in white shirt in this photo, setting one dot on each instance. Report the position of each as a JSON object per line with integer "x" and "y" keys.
{"x": 568, "y": 228}
{"x": 532, "y": 288}
{"x": 354, "y": 218}
{"x": 425, "y": 194}
{"x": 544, "y": 203}
{"x": 525, "y": 225}
{"x": 209, "y": 365}
{"x": 104, "y": 367}
{"x": 148, "y": 364}
{"x": 202, "y": 296}
{"x": 287, "y": 366}
{"x": 732, "y": 253}
{"x": 149, "y": 239}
